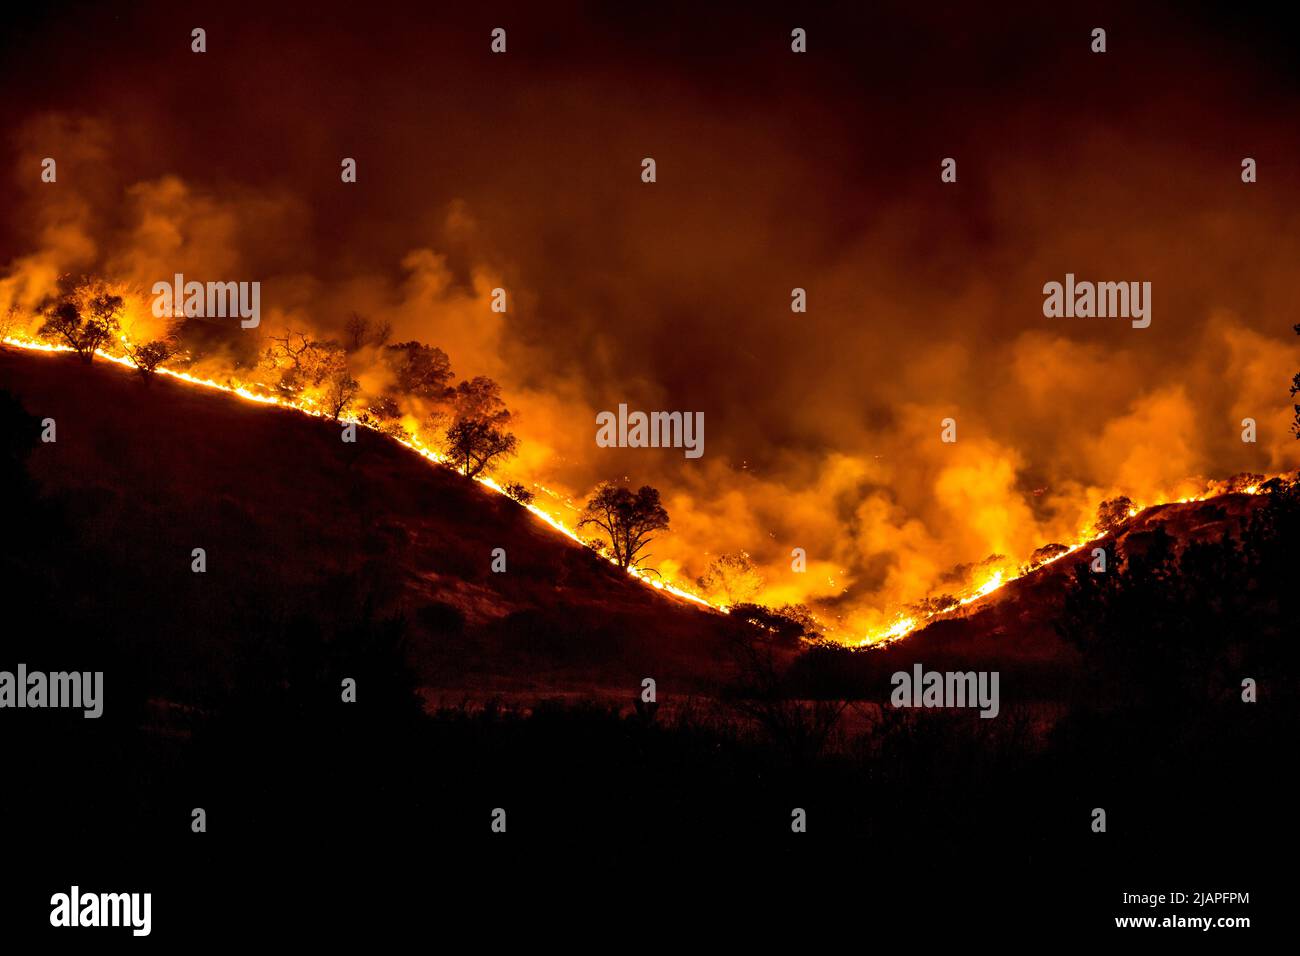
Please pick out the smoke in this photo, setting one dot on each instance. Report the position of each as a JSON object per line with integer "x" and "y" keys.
{"x": 822, "y": 428}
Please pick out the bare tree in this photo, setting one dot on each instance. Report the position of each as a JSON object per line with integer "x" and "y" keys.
{"x": 340, "y": 390}
{"x": 303, "y": 362}
{"x": 288, "y": 350}
{"x": 356, "y": 331}
{"x": 628, "y": 519}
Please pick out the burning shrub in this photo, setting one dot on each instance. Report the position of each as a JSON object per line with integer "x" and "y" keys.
{"x": 421, "y": 371}
{"x": 384, "y": 409}
{"x": 10, "y": 322}
{"x": 518, "y": 492}
{"x": 84, "y": 321}
{"x": 788, "y": 624}
{"x": 1113, "y": 513}
{"x": 733, "y": 577}
{"x": 340, "y": 389}
{"x": 149, "y": 356}
{"x": 1275, "y": 486}
{"x": 1244, "y": 481}
{"x": 303, "y": 362}
{"x": 933, "y": 605}
{"x": 1047, "y": 552}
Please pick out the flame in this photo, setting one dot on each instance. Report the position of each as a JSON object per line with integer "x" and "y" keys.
{"x": 900, "y": 628}
{"x": 904, "y": 626}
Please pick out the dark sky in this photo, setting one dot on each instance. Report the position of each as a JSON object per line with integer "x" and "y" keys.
{"x": 775, "y": 170}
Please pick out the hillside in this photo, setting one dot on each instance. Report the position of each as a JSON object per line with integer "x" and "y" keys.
{"x": 305, "y": 534}
{"x": 1014, "y": 627}
{"x": 298, "y": 526}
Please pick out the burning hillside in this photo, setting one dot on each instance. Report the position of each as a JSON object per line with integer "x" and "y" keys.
{"x": 826, "y": 488}
{"x": 550, "y": 269}
{"x": 815, "y": 432}
{"x": 1218, "y": 495}
{"x": 1017, "y": 620}
{"x": 999, "y": 576}
{"x": 276, "y": 500}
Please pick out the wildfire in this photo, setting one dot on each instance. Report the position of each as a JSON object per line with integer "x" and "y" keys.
{"x": 904, "y": 626}
{"x": 307, "y": 407}
{"x": 900, "y": 628}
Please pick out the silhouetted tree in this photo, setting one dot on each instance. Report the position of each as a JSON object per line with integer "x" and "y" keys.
{"x": 303, "y": 362}
{"x": 356, "y": 332}
{"x": 518, "y": 492}
{"x": 1160, "y": 625}
{"x": 150, "y": 355}
{"x": 480, "y": 398}
{"x": 420, "y": 370}
{"x": 384, "y": 409}
{"x": 788, "y": 624}
{"x": 340, "y": 389}
{"x": 476, "y": 436}
{"x": 1047, "y": 552}
{"x": 1295, "y": 387}
{"x": 628, "y": 519}
{"x": 929, "y": 606}
{"x": 84, "y": 329}
{"x": 473, "y": 444}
